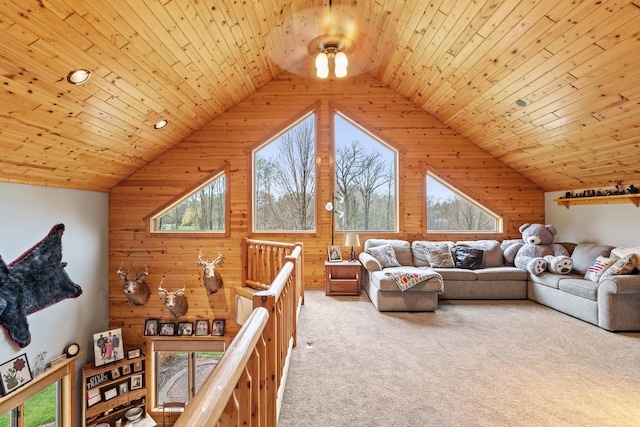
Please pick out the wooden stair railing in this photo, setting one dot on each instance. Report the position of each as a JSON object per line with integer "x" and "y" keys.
{"x": 247, "y": 386}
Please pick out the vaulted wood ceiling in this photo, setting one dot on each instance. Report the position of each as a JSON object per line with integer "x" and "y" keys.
{"x": 576, "y": 65}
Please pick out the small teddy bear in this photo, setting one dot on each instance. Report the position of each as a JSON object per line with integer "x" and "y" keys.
{"x": 538, "y": 253}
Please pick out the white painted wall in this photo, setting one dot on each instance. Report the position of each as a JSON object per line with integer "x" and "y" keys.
{"x": 27, "y": 214}
{"x": 616, "y": 224}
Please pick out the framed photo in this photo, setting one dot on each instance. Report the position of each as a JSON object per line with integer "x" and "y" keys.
{"x": 137, "y": 367}
{"x": 136, "y": 382}
{"x": 202, "y": 327}
{"x": 108, "y": 347}
{"x": 115, "y": 373}
{"x": 110, "y": 393}
{"x": 132, "y": 354}
{"x": 185, "y": 329}
{"x": 123, "y": 387}
{"x": 150, "y": 327}
{"x": 126, "y": 369}
{"x": 15, "y": 373}
{"x": 167, "y": 329}
{"x": 217, "y": 328}
{"x": 93, "y": 396}
{"x": 334, "y": 253}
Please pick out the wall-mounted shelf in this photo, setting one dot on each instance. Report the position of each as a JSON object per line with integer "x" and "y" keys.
{"x": 599, "y": 200}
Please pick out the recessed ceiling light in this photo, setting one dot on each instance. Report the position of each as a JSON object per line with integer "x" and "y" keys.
{"x": 521, "y": 103}
{"x": 160, "y": 124}
{"x": 77, "y": 77}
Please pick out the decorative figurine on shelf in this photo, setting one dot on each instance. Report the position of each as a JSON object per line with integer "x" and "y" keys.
{"x": 41, "y": 364}
{"x": 633, "y": 189}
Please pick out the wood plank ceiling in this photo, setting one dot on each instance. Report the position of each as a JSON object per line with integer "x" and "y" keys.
{"x": 575, "y": 64}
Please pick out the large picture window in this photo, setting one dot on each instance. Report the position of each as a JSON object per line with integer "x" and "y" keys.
{"x": 365, "y": 180}
{"x": 284, "y": 180}
{"x": 449, "y": 210}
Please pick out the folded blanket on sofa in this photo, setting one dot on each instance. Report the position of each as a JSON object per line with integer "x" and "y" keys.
{"x": 409, "y": 279}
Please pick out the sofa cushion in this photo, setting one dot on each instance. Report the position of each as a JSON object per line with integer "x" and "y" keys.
{"x": 439, "y": 255}
{"x": 420, "y": 254}
{"x": 456, "y": 274}
{"x": 384, "y": 282}
{"x": 598, "y": 267}
{"x": 622, "y": 266}
{"x": 402, "y": 249}
{"x": 492, "y": 252}
{"x": 580, "y": 287}
{"x": 498, "y": 274}
{"x": 466, "y": 257}
{"x": 585, "y": 253}
{"x": 385, "y": 255}
{"x": 552, "y": 280}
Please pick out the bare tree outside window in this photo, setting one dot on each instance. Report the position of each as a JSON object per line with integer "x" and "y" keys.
{"x": 447, "y": 210}
{"x": 284, "y": 180}
{"x": 365, "y": 180}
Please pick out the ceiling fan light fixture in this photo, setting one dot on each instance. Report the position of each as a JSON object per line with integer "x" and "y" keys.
{"x": 331, "y": 51}
{"x": 77, "y": 77}
{"x": 322, "y": 65}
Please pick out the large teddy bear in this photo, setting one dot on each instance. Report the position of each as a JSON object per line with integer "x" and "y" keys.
{"x": 538, "y": 252}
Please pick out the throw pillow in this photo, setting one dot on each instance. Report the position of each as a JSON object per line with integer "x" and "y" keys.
{"x": 598, "y": 267}
{"x": 622, "y": 266}
{"x": 623, "y": 251}
{"x": 439, "y": 256}
{"x": 385, "y": 255}
{"x": 468, "y": 258}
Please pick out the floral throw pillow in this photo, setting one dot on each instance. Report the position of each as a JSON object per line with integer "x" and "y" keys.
{"x": 385, "y": 255}
{"x": 622, "y": 266}
{"x": 439, "y": 256}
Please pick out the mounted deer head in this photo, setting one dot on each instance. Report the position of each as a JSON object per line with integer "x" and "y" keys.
{"x": 176, "y": 302}
{"x": 210, "y": 276}
{"x": 135, "y": 288}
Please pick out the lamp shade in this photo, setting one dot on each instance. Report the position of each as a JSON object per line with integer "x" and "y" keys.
{"x": 352, "y": 239}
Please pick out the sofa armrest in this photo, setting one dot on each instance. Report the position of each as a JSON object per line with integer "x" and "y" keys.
{"x": 623, "y": 284}
{"x": 369, "y": 262}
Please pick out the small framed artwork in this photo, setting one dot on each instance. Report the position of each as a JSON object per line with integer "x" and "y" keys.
{"x": 137, "y": 367}
{"x": 15, "y": 373}
{"x": 123, "y": 388}
{"x": 167, "y": 329}
{"x": 126, "y": 369}
{"x": 218, "y": 328}
{"x": 93, "y": 396}
{"x": 132, "y": 354}
{"x": 115, "y": 373}
{"x": 150, "y": 327}
{"x": 110, "y": 393}
{"x": 136, "y": 382}
{"x": 185, "y": 329}
{"x": 202, "y": 327}
{"x": 334, "y": 253}
{"x": 108, "y": 347}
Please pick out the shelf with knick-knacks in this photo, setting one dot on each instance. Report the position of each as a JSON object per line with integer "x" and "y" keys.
{"x": 593, "y": 197}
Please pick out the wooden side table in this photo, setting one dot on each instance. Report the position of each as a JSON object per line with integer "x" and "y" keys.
{"x": 342, "y": 278}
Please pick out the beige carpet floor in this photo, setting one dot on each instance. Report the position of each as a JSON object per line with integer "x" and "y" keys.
{"x": 470, "y": 363}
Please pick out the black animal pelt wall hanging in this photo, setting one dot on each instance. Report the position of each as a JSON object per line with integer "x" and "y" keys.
{"x": 33, "y": 281}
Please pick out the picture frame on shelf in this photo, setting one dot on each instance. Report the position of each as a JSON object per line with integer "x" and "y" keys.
{"x": 93, "y": 396}
{"x": 137, "y": 366}
{"x": 185, "y": 329}
{"x": 115, "y": 373}
{"x": 136, "y": 382}
{"x": 151, "y": 327}
{"x": 217, "y": 327}
{"x": 123, "y": 387}
{"x": 14, "y": 374}
{"x": 334, "y": 253}
{"x": 126, "y": 369}
{"x": 134, "y": 353}
{"x": 202, "y": 327}
{"x": 110, "y": 393}
{"x": 108, "y": 347}
{"x": 167, "y": 329}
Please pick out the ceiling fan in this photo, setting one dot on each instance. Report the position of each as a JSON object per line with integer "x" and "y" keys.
{"x": 316, "y": 37}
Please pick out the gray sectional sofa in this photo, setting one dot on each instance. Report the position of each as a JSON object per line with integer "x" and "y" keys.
{"x": 613, "y": 302}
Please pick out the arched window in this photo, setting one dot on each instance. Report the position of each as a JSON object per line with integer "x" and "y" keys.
{"x": 284, "y": 179}
{"x": 203, "y": 210}
{"x": 449, "y": 210}
{"x": 365, "y": 180}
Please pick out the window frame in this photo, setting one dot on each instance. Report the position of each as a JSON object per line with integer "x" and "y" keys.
{"x": 151, "y": 220}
